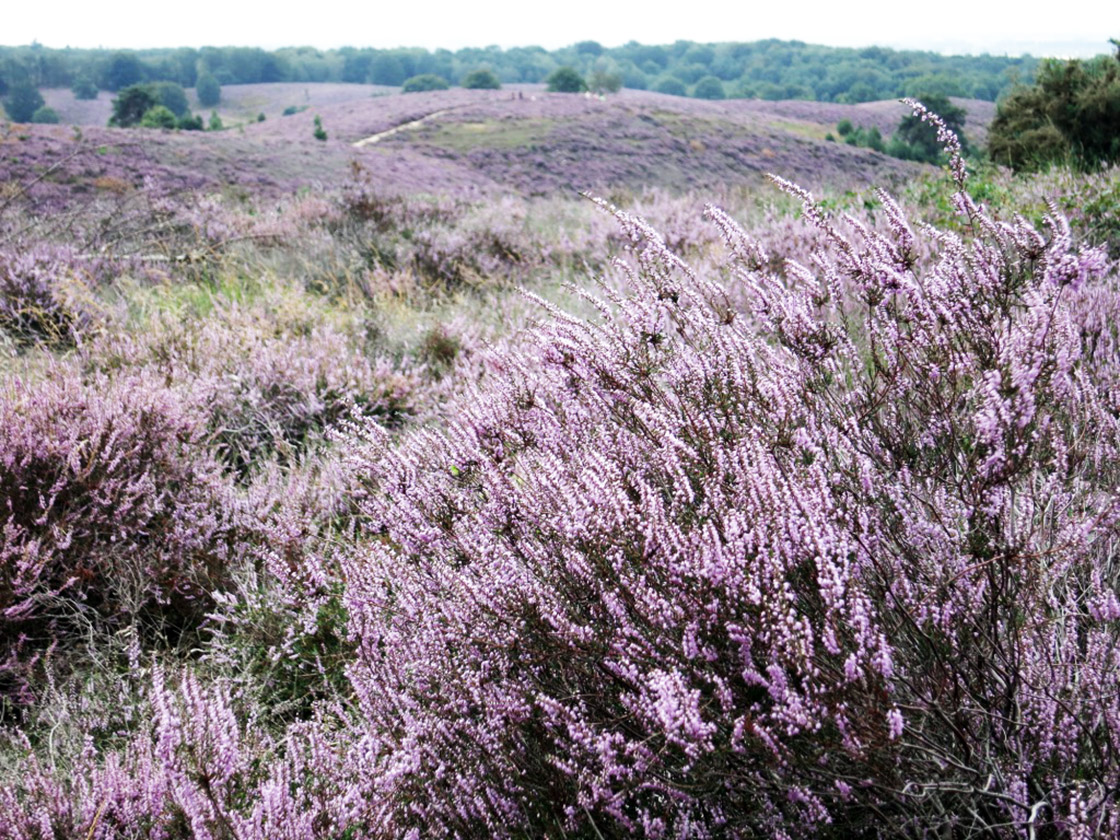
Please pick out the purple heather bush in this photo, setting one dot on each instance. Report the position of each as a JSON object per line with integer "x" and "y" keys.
{"x": 114, "y": 513}
{"x": 819, "y": 548}
{"x": 45, "y": 293}
{"x": 843, "y": 559}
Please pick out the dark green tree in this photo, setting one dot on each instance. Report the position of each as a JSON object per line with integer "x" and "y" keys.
{"x": 424, "y": 82}
{"x": 190, "y": 123}
{"x": 566, "y": 80}
{"x": 23, "y": 101}
{"x": 131, "y": 104}
{"x": 124, "y": 69}
{"x": 208, "y": 90}
{"x": 387, "y": 69}
{"x": 84, "y": 88}
{"x": 709, "y": 87}
{"x": 172, "y": 96}
{"x": 481, "y": 79}
{"x": 671, "y": 85}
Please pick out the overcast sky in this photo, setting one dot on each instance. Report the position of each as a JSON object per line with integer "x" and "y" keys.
{"x": 951, "y": 26}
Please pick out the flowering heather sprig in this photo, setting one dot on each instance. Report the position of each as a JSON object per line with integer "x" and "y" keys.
{"x": 947, "y": 138}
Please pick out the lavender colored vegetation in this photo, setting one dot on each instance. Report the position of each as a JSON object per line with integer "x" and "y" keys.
{"x": 395, "y": 490}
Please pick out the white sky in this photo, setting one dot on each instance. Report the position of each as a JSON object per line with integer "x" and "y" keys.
{"x": 1072, "y": 27}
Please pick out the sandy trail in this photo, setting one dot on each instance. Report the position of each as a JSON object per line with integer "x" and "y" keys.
{"x": 381, "y": 135}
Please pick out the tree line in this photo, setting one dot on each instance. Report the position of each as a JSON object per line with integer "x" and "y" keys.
{"x": 769, "y": 69}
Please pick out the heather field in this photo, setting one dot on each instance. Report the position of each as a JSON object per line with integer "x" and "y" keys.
{"x": 386, "y": 486}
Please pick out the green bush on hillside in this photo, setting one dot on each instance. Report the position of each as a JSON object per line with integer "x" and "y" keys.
{"x": 566, "y": 80}
{"x": 481, "y": 79}
{"x": 424, "y": 82}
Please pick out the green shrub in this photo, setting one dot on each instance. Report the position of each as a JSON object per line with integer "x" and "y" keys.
{"x": 709, "y": 87}
{"x": 566, "y": 80}
{"x": 319, "y": 133}
{"x": 208, "y": 91}
{"x": 481, "y": 79}
{"x": 424, "y": 82}
{"x": 23, "y": 101}
{"x": 159, "y": 117}
{"x": 45, "y": 115}
{"x": 84, "y": 88}
{"x": 671, "y": 85}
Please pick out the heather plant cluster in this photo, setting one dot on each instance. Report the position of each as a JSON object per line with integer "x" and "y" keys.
{"x": 354, "y": 522}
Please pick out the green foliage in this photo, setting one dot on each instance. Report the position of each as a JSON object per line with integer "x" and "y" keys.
{"x": 605, "y": 81}
{"x": 844, "y": 127}
{"x": 159, "y": 116}
{"x": 1072, "y": 113}
{"x": 424, "y": 82}
{"x": 208, "y": 90}
{"x": 670, "y": 85}
{"x": 84, "y": 88}
{"x": 172, "y": 96}
{"x": 45, "y": 115}
{"x": 190, "y": 122}
{"x": 23, "y": 101}
{"x": 124, "y": 70}
{"x": 215, "y": 122}
{"x": 566, "y": 80}
{"x": 131, "y": 104}
{"x": 481, "y": 79}
{"x": 261, "y": 117}
{"x": 319, "y": 133}
{"x": 292, "y": 110}
{"x": 709, "y": 87}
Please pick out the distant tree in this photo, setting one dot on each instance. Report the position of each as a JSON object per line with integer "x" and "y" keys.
{"x": 124, "y": 69}
{"x": 84, "y": 88}
{"x": 208, "y": 90}
{"x": 190, "y": 123}
{"x": 319, "y": 133}
{"x": 566, "y": 80}
{"x": 709, "y": 87}
{"x": 424, "y": 82}
{"x": 261, "y": 117}
{"x": 45, "y": 115}
{"x": 131, "y": 104}
{"x": 605, "y": 81}
{"x": 23, "y": 101}
{"x": 873, "y": 139}
{"x": 215, "y": 122}
{"x": 481, "y": 79}
{"x": 387, "y": 69}
{"x": 592, "y": 48}
{"x": 670, "y": 85}
{"x": 844, "y": 127}
{"x": 172, "y": 96}
{"x": 158, "y": 116}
